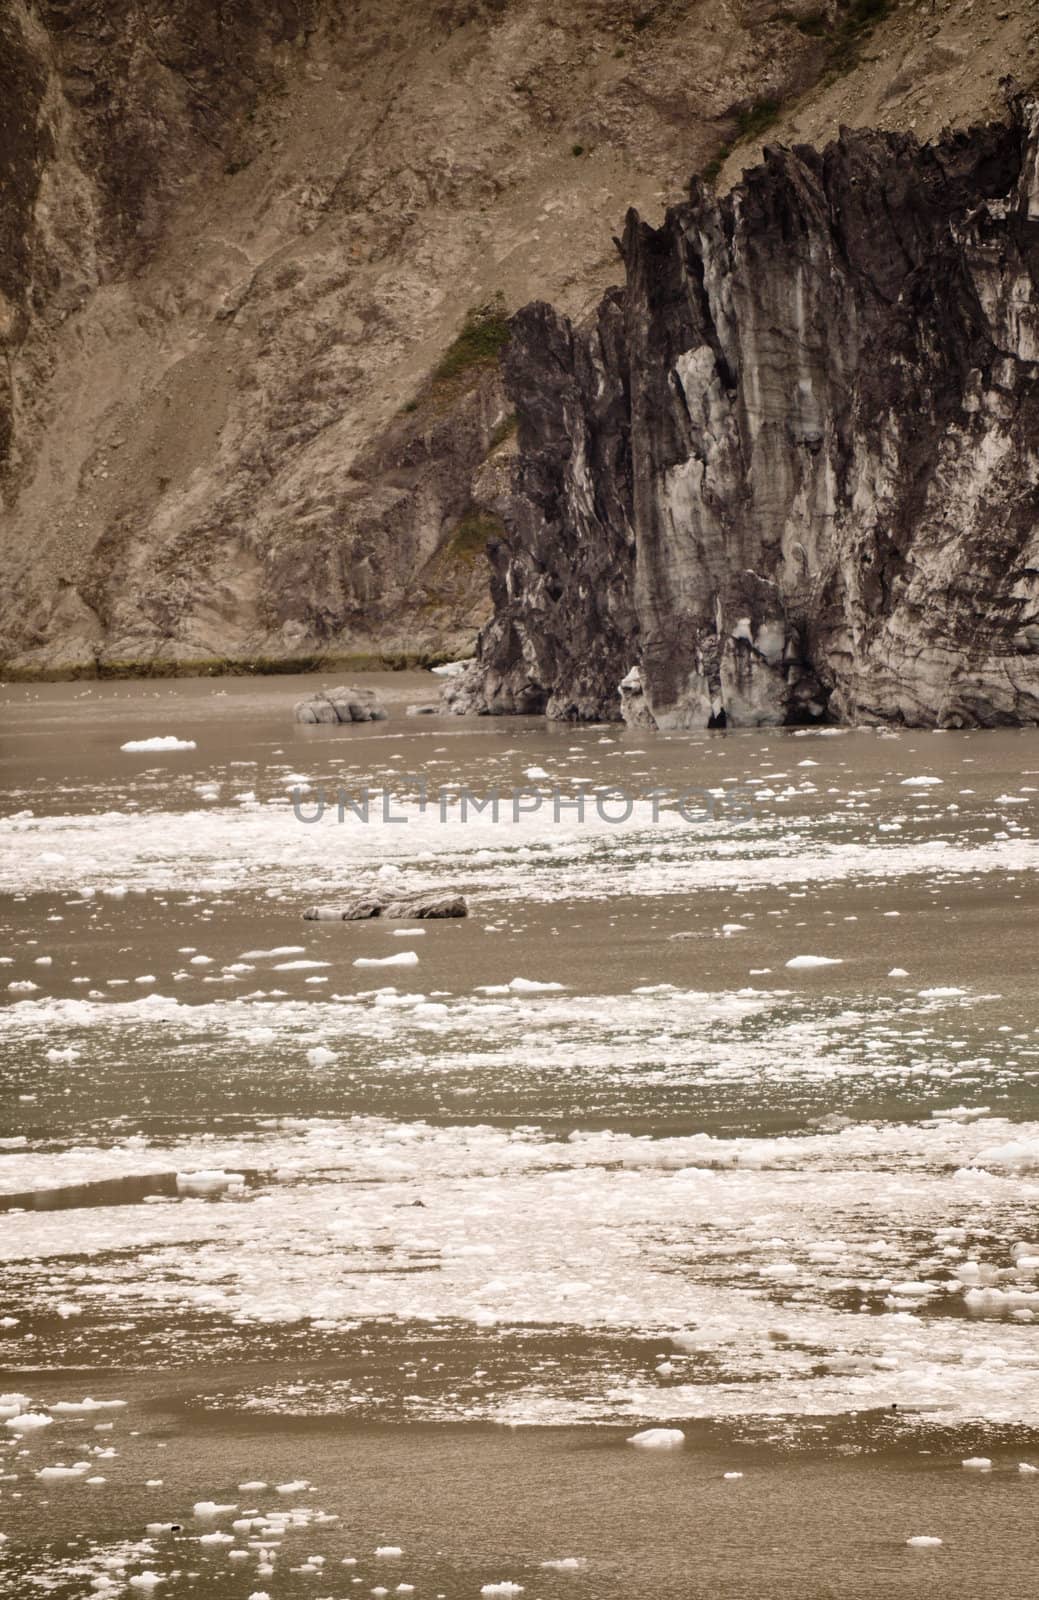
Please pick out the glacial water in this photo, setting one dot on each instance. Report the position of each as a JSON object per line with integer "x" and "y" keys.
{"x": 724, "y": 1122}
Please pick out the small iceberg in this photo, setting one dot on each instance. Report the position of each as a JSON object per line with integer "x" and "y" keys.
{"x": 658, "y": 1439}
{"x": 167, "y": 741}
{"x": 209, "y": 1182}
{"x": 403, "y": 958}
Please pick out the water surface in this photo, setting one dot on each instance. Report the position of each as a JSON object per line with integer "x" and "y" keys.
{"x": 599, "y": 1158}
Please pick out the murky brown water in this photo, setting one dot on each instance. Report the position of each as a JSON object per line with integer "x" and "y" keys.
{"x": 447, "y": 1231}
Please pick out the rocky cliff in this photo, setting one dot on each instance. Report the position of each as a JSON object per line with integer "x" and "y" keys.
{"x": 791, "y": 471}
{"x": 239, "y": 244}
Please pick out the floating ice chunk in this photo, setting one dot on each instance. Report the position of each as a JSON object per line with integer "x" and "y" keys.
{"x": 216, "y": 1538}
{"x": 145, "y": 1580}
{"x": 320, "y": 1057}
{"x": 531, "y": 986}
{"x": 279, "y": 950}
{"x": 977, "y": 1464}
{"x": 294, "y": 1486}
{"x": 299, "y": 966}
{"x": 939, "y": 994}
{"x": 26, "y": 1421}
{"x": 168, "y": 741}
{"x": 898, "y": 972}
{"x": 206, "y": 1182}
{"x": 534, "y": 772}
{"x": 403, "y": 958}
{"x": 79, "y": 1470}
{"x": 502, "y": 1588}
{"x": 74, "y": 1408}
{"x": 210, "y": 1508}
{"x": 1020, "y": 1155}
{"x": 566, "y": 1564}
{"x": 778, "y": 1269}
{"x": 731, "y": 1477}
{"x": 254, "y": 1483}
{"x": 924, "y": 1541}
{"x": 388, "y": 1551}
{"x": 919, "y": 783}
{"x": 798, "y": 962}
{"x": 658, "y": 1439}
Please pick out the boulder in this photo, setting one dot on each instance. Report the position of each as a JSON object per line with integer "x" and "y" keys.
{"x": 316, "y": 710}
{"x": 410, "y": 907}
{"x": 634, "y": 709}
{"x": 463, "y": 693}
{"x": 359, "y": 910}
{"x": 347, "y": 703}
{"x": 426, "y": 906}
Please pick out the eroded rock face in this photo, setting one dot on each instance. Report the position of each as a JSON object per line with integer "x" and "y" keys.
{"x": 792, "y": 470}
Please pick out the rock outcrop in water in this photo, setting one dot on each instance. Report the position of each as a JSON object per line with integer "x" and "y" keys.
{"x": 791, "y": 471}
{"x": 345, "y": 704}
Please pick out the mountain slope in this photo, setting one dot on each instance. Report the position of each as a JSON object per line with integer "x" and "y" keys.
{"x": 235, "y": 244}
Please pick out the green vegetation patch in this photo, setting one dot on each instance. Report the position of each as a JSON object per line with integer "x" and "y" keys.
{"x": 227, "y": 666}
{"x": 846, "y": 34}
{"x": 485, "y": 333}
{"x": 505, "y": 429}
{"x": 853, "y": 29}
{"x": 469, "y": 539}
{"x": 714, "y": 166}
{"x": 755, "y": 119}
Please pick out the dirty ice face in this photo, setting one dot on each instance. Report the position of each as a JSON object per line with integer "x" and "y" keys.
{"x": 728, "y": 1124}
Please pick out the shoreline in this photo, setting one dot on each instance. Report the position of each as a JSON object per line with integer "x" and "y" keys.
{"x": 227, "y": 667}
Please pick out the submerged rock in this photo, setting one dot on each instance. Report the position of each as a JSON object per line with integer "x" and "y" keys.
{"x": 790, "y": 470}
{"x": 345, "y": 704}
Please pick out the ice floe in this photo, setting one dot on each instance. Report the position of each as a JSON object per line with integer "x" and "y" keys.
{"x": 658, "y": 1439}
{"x": 167, "y": 741}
